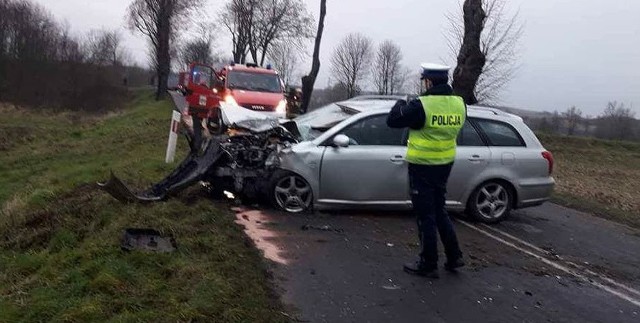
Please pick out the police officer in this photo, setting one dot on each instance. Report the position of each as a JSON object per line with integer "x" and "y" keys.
{"x": 434, "y": 120}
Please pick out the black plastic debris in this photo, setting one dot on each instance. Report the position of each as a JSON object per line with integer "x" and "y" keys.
{"x": 147, "y": 240}
{"x": 320, "y": 228}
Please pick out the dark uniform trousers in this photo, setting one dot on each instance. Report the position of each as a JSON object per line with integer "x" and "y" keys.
{"x": 428, "y": 190}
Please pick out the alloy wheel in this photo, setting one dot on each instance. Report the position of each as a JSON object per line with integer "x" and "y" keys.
{"x": 492, "y": 201}
{"x": 293, "y": 194}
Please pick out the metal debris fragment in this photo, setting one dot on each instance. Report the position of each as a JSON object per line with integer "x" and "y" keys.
{"x": 147, "y": 240}
{"x": 391, "y": 287}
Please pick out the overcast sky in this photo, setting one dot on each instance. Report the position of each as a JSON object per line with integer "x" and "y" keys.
{"x": 583, "y": 53}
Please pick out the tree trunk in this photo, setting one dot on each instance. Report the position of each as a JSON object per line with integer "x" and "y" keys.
{"x": 163, "y": 55}
{"x": 471, "y": 60}
{"x": 308, "y": 81}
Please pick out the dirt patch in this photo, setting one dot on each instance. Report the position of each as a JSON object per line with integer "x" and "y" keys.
{"x": 33, "y": 228}
{"x": 12, "y": 136}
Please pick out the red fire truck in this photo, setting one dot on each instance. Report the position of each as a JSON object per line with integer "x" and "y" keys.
{"x": 248, "y": 86}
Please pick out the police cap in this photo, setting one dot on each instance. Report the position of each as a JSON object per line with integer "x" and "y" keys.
{"x": 431, "y": 70}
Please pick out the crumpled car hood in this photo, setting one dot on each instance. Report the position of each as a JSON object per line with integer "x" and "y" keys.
{"x": 237, "y": 116}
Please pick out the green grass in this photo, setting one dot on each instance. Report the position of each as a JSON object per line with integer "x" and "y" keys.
{"x": 60, "y": 257}
{"x": 598, "y": 176}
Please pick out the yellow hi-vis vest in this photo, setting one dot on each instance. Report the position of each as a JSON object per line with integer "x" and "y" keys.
{"x": 435, "y": 143}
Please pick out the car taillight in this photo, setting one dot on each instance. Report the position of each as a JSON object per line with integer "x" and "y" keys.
{"x": 549, "y": 157}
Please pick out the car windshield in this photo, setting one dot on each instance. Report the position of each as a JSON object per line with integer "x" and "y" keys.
{"x": 258, "y": 82}
{"x": 314, "y": 123}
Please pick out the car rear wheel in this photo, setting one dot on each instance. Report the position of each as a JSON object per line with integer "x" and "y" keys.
{"x": 291, "y": 193}
{"x": 490, "y": 202}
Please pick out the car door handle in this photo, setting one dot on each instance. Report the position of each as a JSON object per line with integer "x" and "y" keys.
{"x": 476, "y": 158}
{"x": 397, "y": 159}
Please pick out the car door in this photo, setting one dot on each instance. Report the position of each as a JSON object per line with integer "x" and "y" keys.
{"x": 472, "y": 158}
{"x": 508, "y": 149}
{"x": 371, "y": 170}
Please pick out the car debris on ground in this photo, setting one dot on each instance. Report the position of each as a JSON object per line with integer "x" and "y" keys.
{"x": 148, "y": 240}
{"x": 320, "y": 228}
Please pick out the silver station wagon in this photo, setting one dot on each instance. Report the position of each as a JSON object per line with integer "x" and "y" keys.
{"x": 350, "y": 159}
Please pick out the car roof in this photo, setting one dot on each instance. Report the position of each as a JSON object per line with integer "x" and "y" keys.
{"x": 377, "y": 106}
{"x": 488, "y": 112}
{"x": 378, "y": 97}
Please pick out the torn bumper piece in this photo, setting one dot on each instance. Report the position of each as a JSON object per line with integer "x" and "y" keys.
{"x": 190, "y": 171}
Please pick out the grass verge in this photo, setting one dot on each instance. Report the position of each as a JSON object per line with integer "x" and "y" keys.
{"x": 601, "y": 177}
{"x": 60, "y": 258}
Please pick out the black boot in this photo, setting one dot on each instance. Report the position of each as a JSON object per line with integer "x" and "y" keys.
{"x": 452, "y": 265}
{"x": 418, "y": 268}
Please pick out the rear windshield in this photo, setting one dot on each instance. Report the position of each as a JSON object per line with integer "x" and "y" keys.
{"x": 257, "y": 82}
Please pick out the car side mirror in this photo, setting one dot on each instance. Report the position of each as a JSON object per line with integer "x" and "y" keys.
{"x": 341, "y": 141}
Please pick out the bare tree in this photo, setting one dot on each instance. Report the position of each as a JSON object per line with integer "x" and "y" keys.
{"x": 255, "y": 25}
{"x": 616, "y": 122}
{"x": 556, "y": 122}
{"x": 158, "y": 20}
{"x": 104, "y": 47}
{"x": 543, "y": 125}
{"x": 351, "y": 60}
{"x": 573, "y": 116}
{"x": 237, "y": 17}
{"x": 387, "y": 76}
{"x": 308, "y": 81}
{"x": 36, "y": 49}
{"x": 285, "y": 60}
{"x": 279, "y": 20}
{"x": 196, "y": 50}
{"x": 485, "y": 40}
{"x": 200, "y": 48}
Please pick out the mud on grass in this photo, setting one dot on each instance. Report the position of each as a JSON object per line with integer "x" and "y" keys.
{"x": 597, "y": 176}
{"x": 60, "y": 256}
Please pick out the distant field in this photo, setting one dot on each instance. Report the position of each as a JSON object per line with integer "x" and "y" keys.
{"x": 60, "y": 258}
{"x": 599, "y": 176}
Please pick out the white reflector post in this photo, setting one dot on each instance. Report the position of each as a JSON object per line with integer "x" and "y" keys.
{"x": 173, "y": 137}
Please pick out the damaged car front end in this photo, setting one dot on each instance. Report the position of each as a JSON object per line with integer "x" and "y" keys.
{"x": 243, "y": 159}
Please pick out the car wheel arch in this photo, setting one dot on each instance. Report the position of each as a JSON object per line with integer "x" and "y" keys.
{"x": 507, "y": 183}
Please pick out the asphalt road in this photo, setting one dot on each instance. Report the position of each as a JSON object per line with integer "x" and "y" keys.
{"x": 545, "y": 264}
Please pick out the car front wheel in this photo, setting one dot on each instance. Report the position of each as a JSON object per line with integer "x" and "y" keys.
{"x": 490, "y": 202}
{"x": 291, "y": 193}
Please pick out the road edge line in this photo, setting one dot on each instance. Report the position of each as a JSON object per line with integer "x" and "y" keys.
{"x": 558, "y": 266}
{"x": 579, "y": 267}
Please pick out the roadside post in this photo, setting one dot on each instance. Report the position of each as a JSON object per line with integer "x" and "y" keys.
{"x": 173, "y": 137}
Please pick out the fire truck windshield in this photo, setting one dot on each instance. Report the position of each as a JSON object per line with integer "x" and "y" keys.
{"x": 258, "y": 82}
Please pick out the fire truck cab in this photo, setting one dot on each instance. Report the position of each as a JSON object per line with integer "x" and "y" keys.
{"x": 254, "y": 88}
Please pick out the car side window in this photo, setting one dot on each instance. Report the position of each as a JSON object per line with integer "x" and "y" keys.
{"x": 500, "y": 133}
{"x": 469, "y": 136}
{"x": 373, "y": 131}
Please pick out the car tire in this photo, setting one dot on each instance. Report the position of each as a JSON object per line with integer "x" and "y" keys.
{"x": 490, "y": 202}
{"x": 290, "y": 192}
